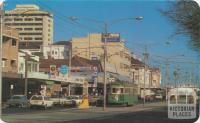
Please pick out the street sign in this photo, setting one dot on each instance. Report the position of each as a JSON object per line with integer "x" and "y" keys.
{"x": 52, "y": 68}
{"x": 43, "y": 87}
{"x": 49, "y": 82}
{"x": 111, "y": 79}
{"x": 11, "y": 87}
{"x": 64, "y": 69}
{"x": 95, "y": 82}
{"x": 95, "y": 69}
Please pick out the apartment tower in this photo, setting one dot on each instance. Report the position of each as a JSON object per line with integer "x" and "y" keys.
{"x": 35, "y": 26}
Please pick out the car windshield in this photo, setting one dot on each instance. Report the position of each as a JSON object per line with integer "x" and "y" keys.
{"x": 74, "y": 97}
{"x": 16, "y": 97}
{"x": 36, "y": 98}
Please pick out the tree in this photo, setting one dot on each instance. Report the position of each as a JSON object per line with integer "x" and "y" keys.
{"x": 186, "y": 15}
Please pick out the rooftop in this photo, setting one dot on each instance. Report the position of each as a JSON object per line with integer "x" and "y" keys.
{"x": 27, "y": 7}
{"x": 75, "y": 62}
{"x": 62, "y": 43}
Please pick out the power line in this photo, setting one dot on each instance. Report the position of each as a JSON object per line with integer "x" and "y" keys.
{"x": 57, "y": 15}
{"x": 62, "y": 17}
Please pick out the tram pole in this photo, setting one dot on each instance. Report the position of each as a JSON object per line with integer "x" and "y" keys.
{"x": 1, "y": 56}
{"x": 105, "y": 58}
{"x": 145, "y": 68}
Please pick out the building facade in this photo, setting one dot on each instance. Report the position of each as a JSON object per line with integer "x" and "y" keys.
{"x": 32, "y": 62}
{"x": 10, "y": 52}
{"x": 92, "y": 47}
{"x": 148, "y": 79}
{"x": 35, "y": 26}
{"x": 155, "y": 77}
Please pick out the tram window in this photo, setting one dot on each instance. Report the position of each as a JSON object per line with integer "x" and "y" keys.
{"x": 122, "y": 90}
{"x": 190, "y": 99}
{"x": 172, "y": 99}
{"x": 127, "y": 90}
{"x": 182, "y": 99}
{"x": 114, "y": 90}
{"x": 117, "y": 90}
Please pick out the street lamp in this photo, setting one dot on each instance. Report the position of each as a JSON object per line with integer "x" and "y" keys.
{"x": 105, "y": 35}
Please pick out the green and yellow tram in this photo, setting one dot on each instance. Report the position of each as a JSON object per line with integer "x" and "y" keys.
{"x": 122, "y": 93}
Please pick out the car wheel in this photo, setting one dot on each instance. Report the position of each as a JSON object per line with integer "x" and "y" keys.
{"x": 127, "y": 104}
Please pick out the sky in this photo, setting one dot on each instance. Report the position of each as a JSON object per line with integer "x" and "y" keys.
{"x": 154, "y": 30}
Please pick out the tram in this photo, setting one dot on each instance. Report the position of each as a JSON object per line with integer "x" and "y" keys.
{"x": 182, "y": 103}
{"x": 121, "y": 94}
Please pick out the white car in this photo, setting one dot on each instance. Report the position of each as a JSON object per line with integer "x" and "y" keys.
{"x": 56, "y": 99}
{"x": 158, "y": 96}
{"x": 40, "y": 101}
{"x": 77, "y": 99}
{"x": 18, "y": 101}
{"x": 73, "y": 100}
{"x": 68, "y": 101}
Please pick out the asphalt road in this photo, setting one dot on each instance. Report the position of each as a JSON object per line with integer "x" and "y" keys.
{"x": 151, "y": 113}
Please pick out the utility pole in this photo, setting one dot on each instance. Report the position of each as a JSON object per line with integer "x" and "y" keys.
{"x": 1, "y": 56}
{"x": 105, "y": 60}
{"x": 26, "y": 75}
{"x": 69, "y": 69}
{"x": 27, "y": 57}
{"x": 146, "y": 55}
{"x": 167, "y": 77}
{"x": 175, "y": 77}
{"x": 89, "y": 48}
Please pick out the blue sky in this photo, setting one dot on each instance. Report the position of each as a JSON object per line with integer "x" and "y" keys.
{"x": 154, "y": 30}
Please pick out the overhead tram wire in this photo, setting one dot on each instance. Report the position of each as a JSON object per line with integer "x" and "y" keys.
{"x": 84, "y": 26}
{"x": 58, "y": 17}
{"x": 62, "y": 17}
{"x": 57, "y": 23}
{"x": 177, "y": 62}
{"x": 60, "y": 29}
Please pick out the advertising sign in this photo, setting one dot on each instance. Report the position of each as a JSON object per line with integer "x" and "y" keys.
{"x": 52, "y": 69}
{"x": 112, "y": 37}
{"x": 64, "y": 69}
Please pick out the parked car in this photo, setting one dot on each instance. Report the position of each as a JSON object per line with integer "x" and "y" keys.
{"x": 93, "y": 100}
{"x": 58, "y": 100}
{"x": 69, "y": 102}
{"x": 77, "y": 99}
{"x": 18, "y": 101}
{"x": 158, "y": 97}
{"x": 73, "y": 100}
{"x": 149, "y": 98}
{"x": 40, "y": 101}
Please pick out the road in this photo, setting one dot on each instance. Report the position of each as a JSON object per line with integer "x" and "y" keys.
{"x": 151, "y": 113}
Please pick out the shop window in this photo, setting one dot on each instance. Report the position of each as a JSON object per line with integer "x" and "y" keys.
{"x": 14, "y": 42}
{"x": 13, "y": 63}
